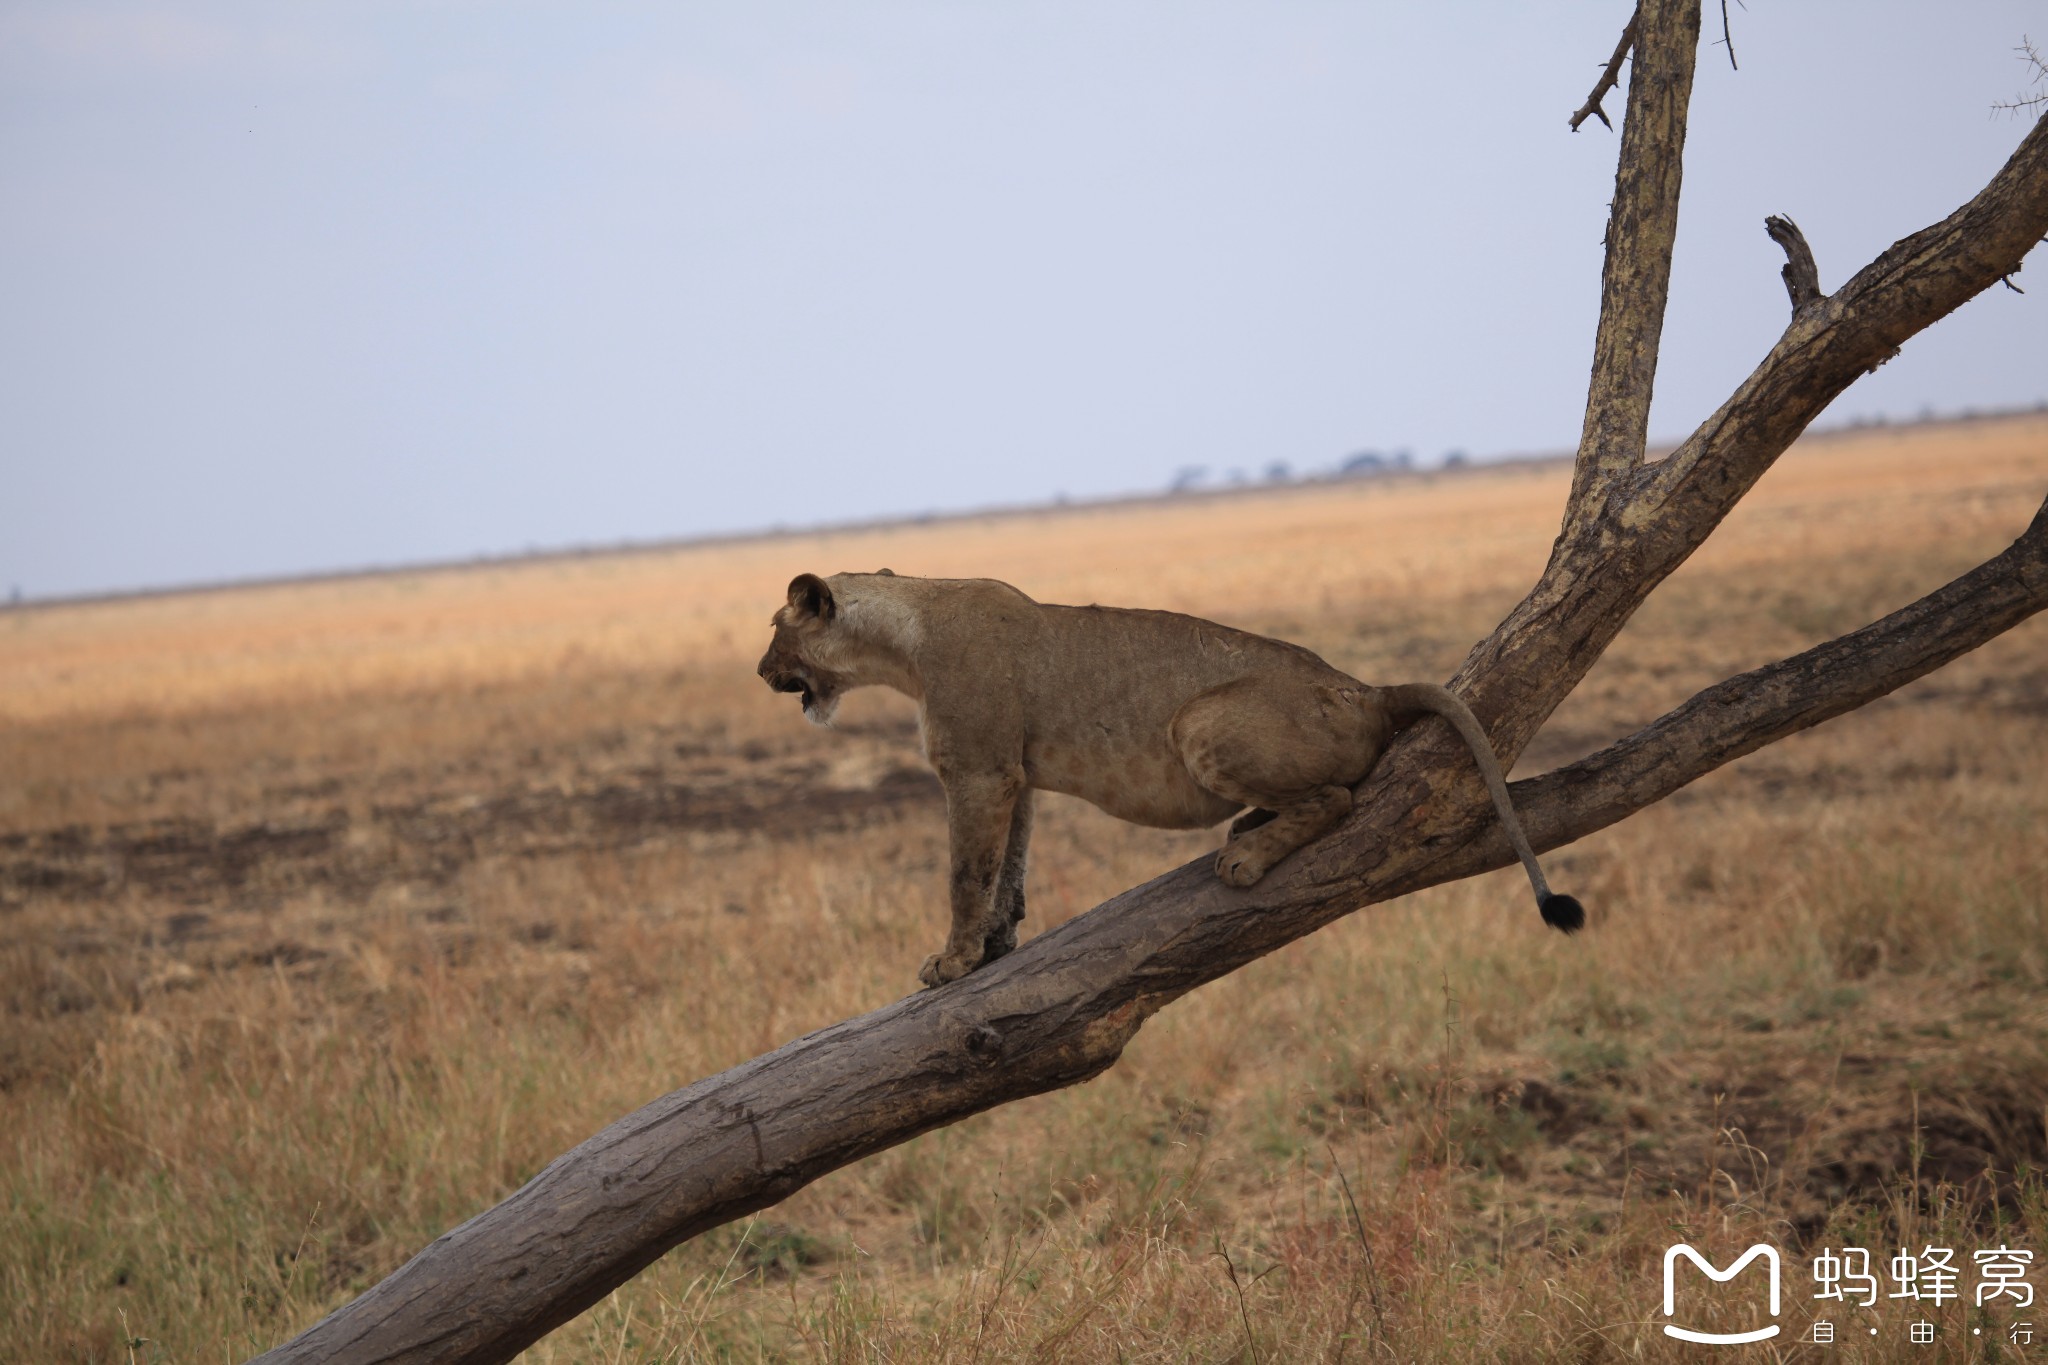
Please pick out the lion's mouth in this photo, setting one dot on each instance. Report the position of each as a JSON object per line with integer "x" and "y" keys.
{"x": 802, "y": 685}
{"x": 819, "y": 701}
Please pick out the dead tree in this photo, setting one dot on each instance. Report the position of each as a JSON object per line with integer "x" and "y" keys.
{"x": 1062, "y": 1008}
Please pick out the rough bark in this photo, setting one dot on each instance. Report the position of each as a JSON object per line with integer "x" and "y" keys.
{"x": 1061, "y": 1009}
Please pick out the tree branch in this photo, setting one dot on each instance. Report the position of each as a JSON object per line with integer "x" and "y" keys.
{"x": 1635, "y": 280}
{"x": 1591, "y": 108}
{"x": 1801, "y": 275}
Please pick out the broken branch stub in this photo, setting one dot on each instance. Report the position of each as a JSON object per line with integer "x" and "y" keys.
{"x": 1801, "y": 275}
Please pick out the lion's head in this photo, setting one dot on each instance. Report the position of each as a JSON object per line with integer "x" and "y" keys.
{"x": 799, "y": 658}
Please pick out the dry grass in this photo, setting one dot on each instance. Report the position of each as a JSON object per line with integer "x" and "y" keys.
{"x": 334, "y": 910}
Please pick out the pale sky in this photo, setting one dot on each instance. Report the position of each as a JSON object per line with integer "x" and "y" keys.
{"x": 290, "y": 288}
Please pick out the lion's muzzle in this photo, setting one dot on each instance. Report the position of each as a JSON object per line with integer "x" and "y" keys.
{"x": 786, "y": 670}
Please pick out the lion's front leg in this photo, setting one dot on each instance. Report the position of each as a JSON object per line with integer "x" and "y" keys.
{"x": 1009, "y": 904}
{"x": 978, "y": 817}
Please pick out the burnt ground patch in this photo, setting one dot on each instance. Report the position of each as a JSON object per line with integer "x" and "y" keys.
{"x": 430, "y": 840}
{"x": 1811, "y": 1129}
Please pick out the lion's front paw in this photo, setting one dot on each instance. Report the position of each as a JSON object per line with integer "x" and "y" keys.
{"x": 1238, "y": 867}
{"x": 940, "y": 968}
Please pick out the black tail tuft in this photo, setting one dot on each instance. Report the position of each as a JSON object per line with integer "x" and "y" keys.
{"x": 1563, "y": 912}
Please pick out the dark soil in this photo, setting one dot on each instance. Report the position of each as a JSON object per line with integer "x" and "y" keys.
{"x": 431, "y": 840}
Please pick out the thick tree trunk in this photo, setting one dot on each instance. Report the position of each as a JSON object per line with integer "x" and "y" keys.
{"x": 1062, "y": 1008}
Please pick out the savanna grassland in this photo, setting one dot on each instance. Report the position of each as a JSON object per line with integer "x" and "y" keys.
{"x": 331, "y": 911}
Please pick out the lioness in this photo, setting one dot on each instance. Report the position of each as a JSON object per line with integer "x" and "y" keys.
{"x": 1158, "y": 718}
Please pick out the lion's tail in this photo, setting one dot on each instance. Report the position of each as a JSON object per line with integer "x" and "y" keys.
{"x": 1559, "y": 911}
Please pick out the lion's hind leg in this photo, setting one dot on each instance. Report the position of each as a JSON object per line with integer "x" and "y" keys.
{"x": 1251, "y": 820}
{"x": 1246, "y": 857}
{"x": 1278, "y": 745}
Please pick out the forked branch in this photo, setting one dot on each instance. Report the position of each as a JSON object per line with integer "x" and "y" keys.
{"x": 1662, "y": 512}
{"x": 1761, "y": 707}
{"x": 1848, "y": 333}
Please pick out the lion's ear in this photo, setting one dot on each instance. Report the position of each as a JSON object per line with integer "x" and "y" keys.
{"x": 810, "y": 595}
{"x": 885, "y": 573}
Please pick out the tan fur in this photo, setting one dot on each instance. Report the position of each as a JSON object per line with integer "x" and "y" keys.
{"x": 1158, "y": 718}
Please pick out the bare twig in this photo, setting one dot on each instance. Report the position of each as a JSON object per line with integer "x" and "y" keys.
{"x": 1727, "y": 38}
{"x": 2021, "y": 103}
{"x": 1591, "y": 108}
{"x": 1802, "y": 276}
